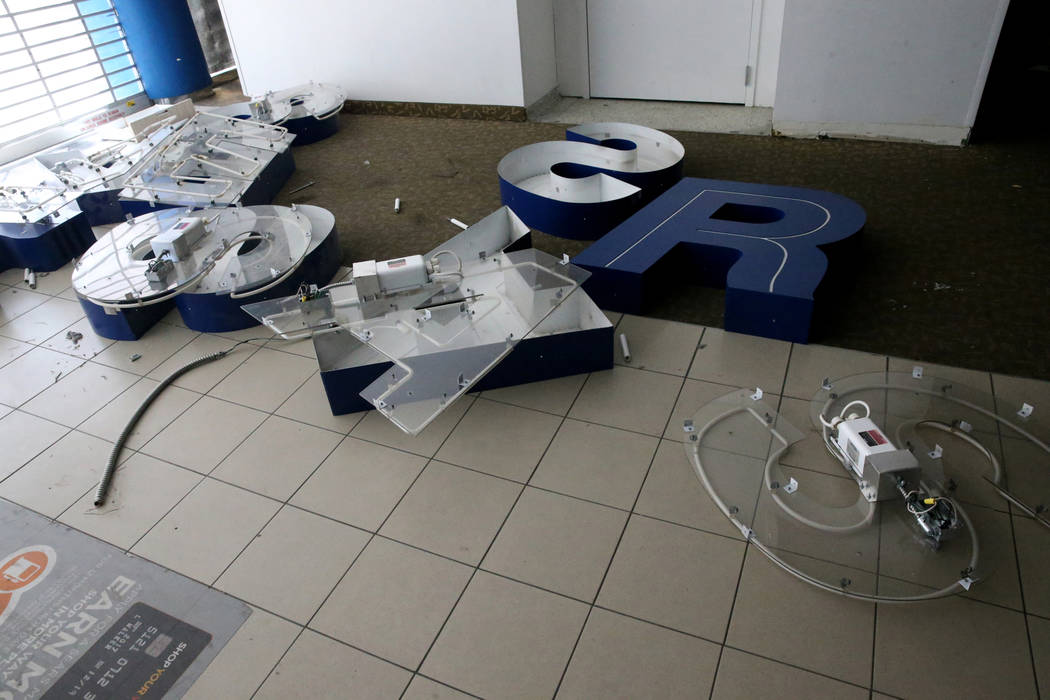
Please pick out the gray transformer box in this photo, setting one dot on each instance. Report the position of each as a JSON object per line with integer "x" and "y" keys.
{"x": 882, "y": 469}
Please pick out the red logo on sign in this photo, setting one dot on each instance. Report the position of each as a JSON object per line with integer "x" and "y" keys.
{"x": 20, "y": 571}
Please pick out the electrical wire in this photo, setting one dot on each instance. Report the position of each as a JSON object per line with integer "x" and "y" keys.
{"x": 102, "y": 490}
{"x": 693, "y": 449}
{"x": 445, "y": 251}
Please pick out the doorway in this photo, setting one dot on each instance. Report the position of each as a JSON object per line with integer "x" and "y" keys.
{"x": 673, "y": 50}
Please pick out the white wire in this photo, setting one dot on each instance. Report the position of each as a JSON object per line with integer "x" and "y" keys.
{"x": 856, "y": 402}
{"x": 693, "y": 449}
{"x": 445, "y": 251}
{"x": 442, "y": 276}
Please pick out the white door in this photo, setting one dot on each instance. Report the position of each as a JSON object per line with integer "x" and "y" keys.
{"x": 685, "y": 50}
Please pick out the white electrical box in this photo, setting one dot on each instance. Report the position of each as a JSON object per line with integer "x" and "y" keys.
{"x": 402, "y": 273}
{"x": 860, "y": 438}
{"x": 365, "y": 279}
{"x": 178, "y": 241}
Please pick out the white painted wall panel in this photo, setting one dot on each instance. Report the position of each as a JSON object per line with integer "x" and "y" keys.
{"x": 772, "y": 24}
{"x": 538, "y": 66}
{"x": 458, "y": 51}
{"x": 570, "y": 35}
{"x": 860, "y": 64}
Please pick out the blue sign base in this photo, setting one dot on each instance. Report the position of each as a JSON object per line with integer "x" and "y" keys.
{"x": 769, "y": 247}
{"x": 45, "y": 247}
{"x": 210, "y": 312}
{"x": 270, "y": 180}
{"x": 124, "y": 324}
{"x": 102, "y": 207}
{"x": 532, "y": 360}
{"x": 311, "y": 129}
{"x": 218, "y": 313}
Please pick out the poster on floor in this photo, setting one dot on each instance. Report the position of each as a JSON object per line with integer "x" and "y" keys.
{"x": 81, "y": 619}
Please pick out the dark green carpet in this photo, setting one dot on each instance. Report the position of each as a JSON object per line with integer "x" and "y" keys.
{"x": 954, "y": 263}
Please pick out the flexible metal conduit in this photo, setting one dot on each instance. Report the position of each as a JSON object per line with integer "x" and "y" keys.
{"x": 111, "y": 465}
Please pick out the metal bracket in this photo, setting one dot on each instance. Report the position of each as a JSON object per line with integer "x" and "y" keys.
{"x": 791, "y": 486}
{"x": 757, "y": 396}
{"x": 936, "y": 452}
{"x": 966, "y": 582}
{"x": 1026, "y": 410}
{"x": 916, "y": 372}
{"x": 826, "y": 384}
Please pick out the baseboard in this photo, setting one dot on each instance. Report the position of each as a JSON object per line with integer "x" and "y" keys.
{"x": 441, "y": 110}
{"x": 226, "y": 75}
{"x": 920, "y": 133}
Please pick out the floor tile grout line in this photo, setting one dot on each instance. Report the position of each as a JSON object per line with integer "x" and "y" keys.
{"x": 357, "y": 556}
{"x": 109, "y": 341}
{"x": 469, "y": 469}
{"x": 747, "y": 544}
{"x": 506, "y": 517}
{"x": 1017, "y": 554}
{"x": 878, "y": 578}
{"x": 605, "y": 574}
{"x": 282, "y": 504}
{"x": 139, "y": 380}
{"x": 61, "y": 375}
{"x": 627, "y": 520}
{"x": 209, "y": 475}
{"x": 249, "y": 543}
{"x": 373, "y": 535}
{"x": 84, "y": 360}
{"x": 599, "y": 606}
{"x": 435, "y": 680}
{"x": 43, "y": 450}
{"x": 531, "y": 585}
{"x": 302, "y": 627}
{"x": 134, "y": 451}
{"x": 363, "y": 413}
{"x": 166, "y": 358}
{"x": 287, "y": 502}
{"x": 120, "y": 465}
{"x": 797, "y": 667}
{"x": 269, "y": 414}
{"x": 643, "y": 482}
{"x": 255, "y": 605}
{"x": 300, "y": 388}
{"x": 121, "y": 461}
{"x": 24, "y": 312}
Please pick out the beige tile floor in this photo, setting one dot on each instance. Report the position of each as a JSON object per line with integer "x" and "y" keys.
{"x": 536, "y": 541}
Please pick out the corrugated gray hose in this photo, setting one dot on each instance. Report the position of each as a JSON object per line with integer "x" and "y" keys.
{"x": 111, "y": 466}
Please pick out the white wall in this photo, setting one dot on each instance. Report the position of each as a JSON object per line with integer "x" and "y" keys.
{"x": 910, "y": 69}
{"x": 536, "y": 31}
{"x": 458, "y": 51}
{"x": 768, "y": 63}
{"x": 570, "y": 38}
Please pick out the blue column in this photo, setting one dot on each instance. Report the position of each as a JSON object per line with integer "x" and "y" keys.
{"x": 163, "y": 40}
